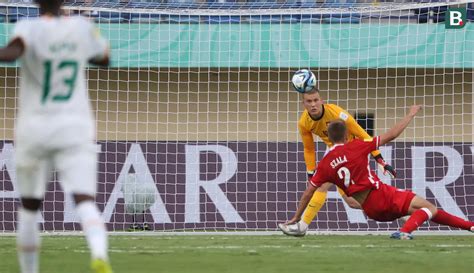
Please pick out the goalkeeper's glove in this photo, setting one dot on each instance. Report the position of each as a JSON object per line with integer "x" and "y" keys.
{"x": 310, "y": 174}
{"x": 386, "y": 168}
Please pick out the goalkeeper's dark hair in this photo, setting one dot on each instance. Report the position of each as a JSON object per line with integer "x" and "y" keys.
{"x": 337, "y": 131}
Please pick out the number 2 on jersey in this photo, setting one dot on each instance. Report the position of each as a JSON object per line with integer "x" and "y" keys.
{"x": 69, "y": 81}
{"x": 345, "y": 174}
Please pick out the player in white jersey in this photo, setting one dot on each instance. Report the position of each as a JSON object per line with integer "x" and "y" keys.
{"x": 55, "y": 125}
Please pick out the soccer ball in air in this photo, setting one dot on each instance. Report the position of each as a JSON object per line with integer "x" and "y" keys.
{"x": 303, "y": 81}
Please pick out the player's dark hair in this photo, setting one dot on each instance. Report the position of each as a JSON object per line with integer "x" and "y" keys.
{"x": 49, "y": 6}
{"x": 337, "y": 131}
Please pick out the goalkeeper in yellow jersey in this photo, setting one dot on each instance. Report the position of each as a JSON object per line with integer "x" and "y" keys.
{"x": 314, "y": 120}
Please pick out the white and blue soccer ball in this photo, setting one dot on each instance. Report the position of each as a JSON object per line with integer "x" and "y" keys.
{"x": 303, "y": 80}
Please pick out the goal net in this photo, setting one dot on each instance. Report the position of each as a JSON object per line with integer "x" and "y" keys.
{"x": 197, "y": 122}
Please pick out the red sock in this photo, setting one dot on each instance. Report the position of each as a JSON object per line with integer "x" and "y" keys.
{"x": 416, "y": 219}
{"x": 444, "y": 218}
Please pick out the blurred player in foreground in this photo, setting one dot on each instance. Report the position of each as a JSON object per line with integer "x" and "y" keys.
{"x": 347, "y": 166}
{"x": 315, "y": 120}
{"x": 55, "y": 125}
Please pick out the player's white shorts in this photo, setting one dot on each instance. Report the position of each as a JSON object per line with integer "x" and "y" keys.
{"x": 76, "y": 167}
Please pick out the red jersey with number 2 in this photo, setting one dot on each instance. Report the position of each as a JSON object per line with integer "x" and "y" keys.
{"x": 347, "y": 166}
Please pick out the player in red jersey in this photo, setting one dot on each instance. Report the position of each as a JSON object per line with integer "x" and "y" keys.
{"x": 347, "y": 166}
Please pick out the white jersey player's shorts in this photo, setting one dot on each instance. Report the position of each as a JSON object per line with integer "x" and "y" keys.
{"x": 76, "y": 166}
{"x": 55, "y": 125}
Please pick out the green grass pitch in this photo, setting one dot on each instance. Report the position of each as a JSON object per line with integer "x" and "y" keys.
{"x": 259, "y": 254}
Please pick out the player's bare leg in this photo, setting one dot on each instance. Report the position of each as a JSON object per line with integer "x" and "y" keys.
{"x": 28, "y": 237}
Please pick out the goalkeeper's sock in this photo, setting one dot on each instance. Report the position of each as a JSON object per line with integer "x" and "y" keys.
{"x": 314, "y": 206}
{"x": 28, "y": 241}
{"x": 94, "y": 229}
{"x": 444, "y": 218}
{"x": 416, "y": 219}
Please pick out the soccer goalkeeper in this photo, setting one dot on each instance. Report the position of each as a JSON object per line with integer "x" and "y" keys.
{"x": 314, "y": 120}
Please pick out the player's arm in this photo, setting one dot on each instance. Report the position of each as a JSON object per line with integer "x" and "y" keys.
{"x": 309, "y": 150}
{"x": 314, "y": 183}
{"x": 101, "y": 61}
{"x": 399, "y": 127}
{"x": 13, "y": 50}
{"x": 355, "y": 129}
{"x": 304, "y": 201}
{"x": 99, "y": 47}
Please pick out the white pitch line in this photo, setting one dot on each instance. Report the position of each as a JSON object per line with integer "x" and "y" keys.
{"x": 239, "y": 247}
{"x": 131, "y": 251}
{"x": 458, "y": 246}
{"x": 256, "y": 249}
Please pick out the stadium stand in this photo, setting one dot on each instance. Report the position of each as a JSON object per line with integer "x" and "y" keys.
{"x": 434, "y": 14}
